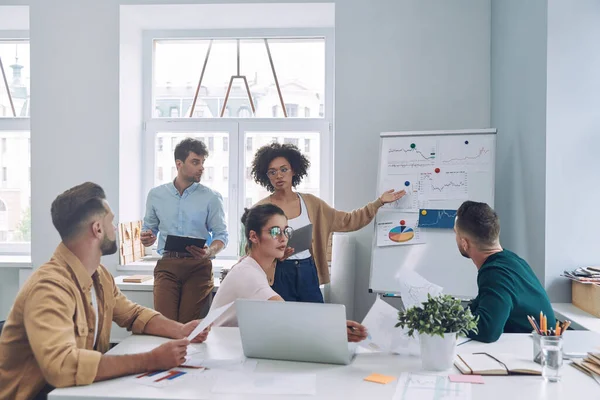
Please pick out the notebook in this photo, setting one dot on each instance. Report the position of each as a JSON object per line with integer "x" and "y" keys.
{"x": 137, "y": 278}
{"x": 496, "y": 364}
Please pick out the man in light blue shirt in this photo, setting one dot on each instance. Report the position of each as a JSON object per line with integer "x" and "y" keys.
{"x": 183, "y": 282}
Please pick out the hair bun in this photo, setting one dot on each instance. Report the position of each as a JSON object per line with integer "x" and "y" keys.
{"x": 245, "y": 215}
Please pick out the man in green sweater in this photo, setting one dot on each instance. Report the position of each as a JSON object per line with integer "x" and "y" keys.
{"x": 509, "y": 291}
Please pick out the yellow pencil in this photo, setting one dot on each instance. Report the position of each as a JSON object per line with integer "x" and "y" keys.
{"x": 545, "y": 324}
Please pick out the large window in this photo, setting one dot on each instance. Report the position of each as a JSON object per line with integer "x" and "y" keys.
{"x": 202, "y": 78}
{"x": 15, "y": 183}
{"x": 285, "y": 97}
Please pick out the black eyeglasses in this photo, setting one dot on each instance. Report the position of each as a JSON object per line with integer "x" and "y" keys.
{"x": 276, "y": 231}
{"x": 273, "y": 172}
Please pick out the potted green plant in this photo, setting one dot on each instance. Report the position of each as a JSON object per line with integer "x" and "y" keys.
{"x": 439, "y": 320}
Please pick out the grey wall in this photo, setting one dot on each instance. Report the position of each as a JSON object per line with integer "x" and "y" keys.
{"x": 519, "y": 113}
{"x": 572, "y": 140}
{"x": 402, "y": 65}
{"x": 9, "y": 287}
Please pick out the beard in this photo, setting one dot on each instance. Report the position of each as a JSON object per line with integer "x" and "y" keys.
{"x": 108, "y": 246}
{"x": 194, "y": 178}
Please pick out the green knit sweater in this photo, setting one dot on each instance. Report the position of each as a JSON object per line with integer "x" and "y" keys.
{"x": 509, "y": 291}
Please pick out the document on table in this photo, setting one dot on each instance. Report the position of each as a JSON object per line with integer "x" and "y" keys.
{"x": 210, "y": 318}
{"x": 383, "y": 335}
{"x": 236, "y": 364}
{"x": 266, "y": 383}
{"x": 423, "y": 387}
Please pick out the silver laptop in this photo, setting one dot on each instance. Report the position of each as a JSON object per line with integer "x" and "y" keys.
{"x": 310, "y": 332}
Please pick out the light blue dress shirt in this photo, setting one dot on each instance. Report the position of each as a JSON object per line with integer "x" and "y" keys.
{"x": 198, "y": 212}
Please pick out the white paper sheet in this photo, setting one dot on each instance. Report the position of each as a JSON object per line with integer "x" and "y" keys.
{"x": 236, "y": 364}
{"x": 596, "y": 378}
{"x": 414, "y": 288}
{"x": 210, "y": 318}
{"x": 194, "y": 349}
{"x": 266, "y": 383}
{"x": 380, "y": 321}
{"x": 423, "y": 387}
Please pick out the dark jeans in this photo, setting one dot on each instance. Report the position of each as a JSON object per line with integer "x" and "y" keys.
{"x": 297, "y": 280}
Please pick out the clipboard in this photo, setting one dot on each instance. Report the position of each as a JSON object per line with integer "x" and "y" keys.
{"x": 179, "y": 243}
{"x": 301, "y": 239}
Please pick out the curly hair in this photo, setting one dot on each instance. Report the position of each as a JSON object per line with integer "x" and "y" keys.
{"x": 268, "y": 153}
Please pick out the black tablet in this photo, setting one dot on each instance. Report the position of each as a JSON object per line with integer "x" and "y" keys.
{"x": 179, "y": 243}
{"x": 301, "y": 239}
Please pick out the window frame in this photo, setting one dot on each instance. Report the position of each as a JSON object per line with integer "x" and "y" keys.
{"x": 16, "y": 124}
{"x": 237, "y": 127}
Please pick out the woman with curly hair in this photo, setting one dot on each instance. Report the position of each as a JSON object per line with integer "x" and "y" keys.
{"x": 280, "y": 168}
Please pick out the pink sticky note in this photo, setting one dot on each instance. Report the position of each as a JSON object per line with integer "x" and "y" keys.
{"x": 466, "y": 378}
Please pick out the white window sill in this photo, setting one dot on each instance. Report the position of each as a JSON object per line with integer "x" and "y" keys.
{"x": 147, "y": 265}
{"x": 16, "y": 261}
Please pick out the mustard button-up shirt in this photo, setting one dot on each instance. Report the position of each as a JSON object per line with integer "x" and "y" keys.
{"x": 48, "y": 338}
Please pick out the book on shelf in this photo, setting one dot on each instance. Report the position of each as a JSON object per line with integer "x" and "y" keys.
{"x": 137, "y": 278}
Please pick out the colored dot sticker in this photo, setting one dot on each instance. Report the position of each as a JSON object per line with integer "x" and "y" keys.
{"x": 407, "y": 183}
{"x": 403, "y": 222}
{"x": 466, "y": 142}
{"x": 412, "y": 146}
{"x": 437, "y": 170}
{"x": 423, "y": 212}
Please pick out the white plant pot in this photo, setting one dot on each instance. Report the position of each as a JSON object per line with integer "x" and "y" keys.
{"x": 437, "y": 353}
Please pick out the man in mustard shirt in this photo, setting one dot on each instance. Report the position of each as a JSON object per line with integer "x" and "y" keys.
{"x": 59, "y": 326}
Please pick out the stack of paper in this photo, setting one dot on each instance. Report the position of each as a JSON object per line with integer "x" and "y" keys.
{"x": 589, "y": 365}
{"x": 137, "y": 278}
{"x": 584, "y": 275}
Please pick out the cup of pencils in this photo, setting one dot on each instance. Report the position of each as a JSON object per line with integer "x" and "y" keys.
{"x": 541, "y": 329}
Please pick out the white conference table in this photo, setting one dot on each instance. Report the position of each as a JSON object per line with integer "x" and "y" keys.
{"x": 345, "y": 382}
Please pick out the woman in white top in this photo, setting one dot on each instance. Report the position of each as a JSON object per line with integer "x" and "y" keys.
{"x": 280, "y": 168}
{"x": 267, "y": 234}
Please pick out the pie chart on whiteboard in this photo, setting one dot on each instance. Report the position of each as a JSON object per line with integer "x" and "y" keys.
{"x": 401, "y": 234}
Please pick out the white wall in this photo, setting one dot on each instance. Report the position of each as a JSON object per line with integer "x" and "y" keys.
{"x": 402, "y": 65}
{"x": 130, "y": 119}
{"x": 519, "y": 113}
{"x": 14, "y": 17}
{"x": 74, "y": 107}
{"x": 572, "y": 141}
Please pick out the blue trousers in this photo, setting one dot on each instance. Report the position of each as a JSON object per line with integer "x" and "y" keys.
{"x": 297, "y": 280}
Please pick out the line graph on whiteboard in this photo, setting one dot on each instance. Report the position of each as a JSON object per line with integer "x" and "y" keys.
{"x": 409, "y": 183}
{"x": 451, "y": 185}
{"x": 404, "y": 156}
{"x": 475, "y": 151}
